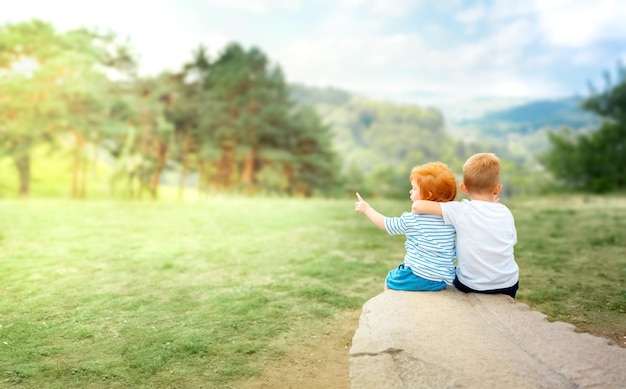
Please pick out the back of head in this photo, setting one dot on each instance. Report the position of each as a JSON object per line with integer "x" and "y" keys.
{"x": 481, "y": 173}
{"x": 435, "y": 180}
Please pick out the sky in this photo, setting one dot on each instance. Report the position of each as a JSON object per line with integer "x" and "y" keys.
{"x": 407, "y": 51}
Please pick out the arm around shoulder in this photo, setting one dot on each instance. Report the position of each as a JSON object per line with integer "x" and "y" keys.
{"x": 427, "y": 207}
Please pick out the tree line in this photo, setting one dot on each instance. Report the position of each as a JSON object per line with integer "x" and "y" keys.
{"x": 229, "y": 120}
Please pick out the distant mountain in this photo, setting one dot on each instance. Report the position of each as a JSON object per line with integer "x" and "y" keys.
{"x": 481, "y": 116}
{"x": 532, "y": 117}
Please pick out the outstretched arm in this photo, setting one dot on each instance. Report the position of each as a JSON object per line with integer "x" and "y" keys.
{"x": 428, "y": 207}
{"x": 363, "y": 207}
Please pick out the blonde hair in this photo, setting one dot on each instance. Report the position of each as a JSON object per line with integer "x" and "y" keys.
{"x": 481, "y": 172}
{"x": 435, "y": 180}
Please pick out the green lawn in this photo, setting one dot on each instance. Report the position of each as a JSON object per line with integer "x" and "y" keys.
{"x": 572, "y": 257}
{"x": 100, "y": 294}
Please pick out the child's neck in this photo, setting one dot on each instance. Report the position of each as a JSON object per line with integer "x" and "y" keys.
{"x": 482, "y": 197}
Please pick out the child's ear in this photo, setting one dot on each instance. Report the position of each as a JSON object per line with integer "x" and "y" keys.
{"x": 463, "y": 188}
{"x": 497, "y": 190}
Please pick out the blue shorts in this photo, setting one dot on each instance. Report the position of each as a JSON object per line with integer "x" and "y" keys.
{"x": 403, "y": 278}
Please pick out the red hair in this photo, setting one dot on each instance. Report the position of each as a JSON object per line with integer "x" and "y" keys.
{"x": 435, "y": 180}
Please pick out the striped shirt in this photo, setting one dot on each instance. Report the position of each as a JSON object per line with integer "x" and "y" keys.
{"x": 430, "y": 245}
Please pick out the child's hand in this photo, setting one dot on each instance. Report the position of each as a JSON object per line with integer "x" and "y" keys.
{"x": 361, "y": 205}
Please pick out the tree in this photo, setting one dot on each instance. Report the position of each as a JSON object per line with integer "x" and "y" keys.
{"x": 53, "y": 84}
{"x": 223, "y": 103}
{"x": 155, "y": 130}
{"x": 29, "y": 98}
{"x": 182, "y": 110}
{"x": 594, "y": 161}
{"x": 314, "y": 165}
{"x": 88, "y": 95}
{"x": 254, "y": 135}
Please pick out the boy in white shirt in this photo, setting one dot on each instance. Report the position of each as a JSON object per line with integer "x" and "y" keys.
{"x": 485, "y": 230}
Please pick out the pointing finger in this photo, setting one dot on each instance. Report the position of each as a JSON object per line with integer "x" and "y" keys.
{"x": 358, "y": 196}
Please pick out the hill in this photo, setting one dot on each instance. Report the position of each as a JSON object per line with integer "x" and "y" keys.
{"x": 532, "y": 117}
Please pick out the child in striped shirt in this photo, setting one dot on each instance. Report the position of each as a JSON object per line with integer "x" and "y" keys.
{"x": 430, "y": 243}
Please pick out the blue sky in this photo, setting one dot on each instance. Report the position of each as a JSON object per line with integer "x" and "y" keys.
{"x": 402, "y": 50}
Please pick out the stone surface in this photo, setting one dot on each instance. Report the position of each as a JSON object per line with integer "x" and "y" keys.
{"x": 450, "y": 339}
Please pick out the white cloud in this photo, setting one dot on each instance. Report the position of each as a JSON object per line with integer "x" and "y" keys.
{"x": 255, "y": 6}
{"x": 372, "y": 62}
{"x": 397, "y": 9}
{"x": 581, "y": 23}
{"x": 473, "y": 15}
{"x": 398, "y": 50}
{"x": 321, "y": 62}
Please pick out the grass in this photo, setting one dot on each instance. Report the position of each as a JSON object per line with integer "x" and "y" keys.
{"x": 100, "y": 294}
{"x": 167, "y": 294}
{"x": 572, "y": 257}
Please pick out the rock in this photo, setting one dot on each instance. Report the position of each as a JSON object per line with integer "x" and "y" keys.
{"x": 450, "y": 339}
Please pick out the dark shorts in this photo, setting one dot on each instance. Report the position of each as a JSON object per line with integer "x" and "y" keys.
{"x": 511, "y": 291}
{"x": 403, "y": 278}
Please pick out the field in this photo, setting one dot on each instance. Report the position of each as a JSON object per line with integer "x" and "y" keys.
{"x": 208, "y": 293}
